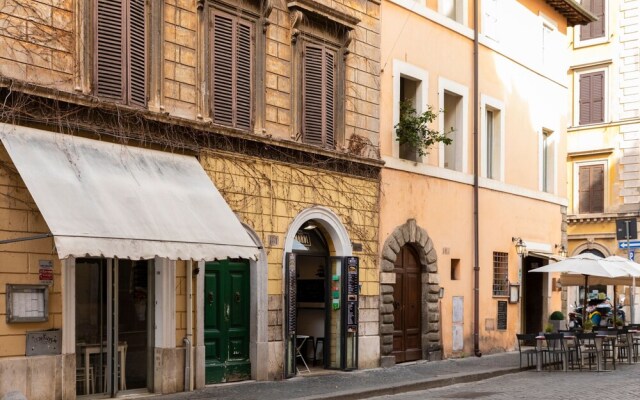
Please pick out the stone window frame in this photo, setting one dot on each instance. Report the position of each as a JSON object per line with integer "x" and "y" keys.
{"x": 488, "y": 103}
{"x": 315, "y": 23}
{"x": 462, "y": 137}
{"x": 411, "y": 234}
{"x": 257, "y": 11}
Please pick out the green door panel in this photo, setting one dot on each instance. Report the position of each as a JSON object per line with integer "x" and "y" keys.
{"x": 226, "y": 326}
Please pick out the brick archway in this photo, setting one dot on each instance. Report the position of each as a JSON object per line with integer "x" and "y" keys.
{"x": 410, "y": 233}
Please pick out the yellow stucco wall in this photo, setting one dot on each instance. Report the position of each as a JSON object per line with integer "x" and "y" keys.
{"x": 19, "y": 262}
{"x": 268, "y": 195}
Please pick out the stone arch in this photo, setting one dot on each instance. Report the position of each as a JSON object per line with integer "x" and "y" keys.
{"x": 591, "y": 245}
{"x": 410, "y": 233}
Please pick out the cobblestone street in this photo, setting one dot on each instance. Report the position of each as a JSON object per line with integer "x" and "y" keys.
{"x": 621, "y": 384}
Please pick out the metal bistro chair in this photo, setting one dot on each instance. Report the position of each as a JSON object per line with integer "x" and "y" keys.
{"x": 608, "y": 346}
{"x": 557, "y": 350}
{"x": 527, "y": 347}
{"x": 590, "y": 348}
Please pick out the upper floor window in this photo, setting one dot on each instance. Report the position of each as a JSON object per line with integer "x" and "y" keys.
{"x": 120, "y": 62}
{"x": 453, "y": 98}
{"x": 490, "y": 19}
{"x": 232, "y": 60}
{"x": 492, "y": 141}
{"x": 453, "y": 9}
{"x": 591, "y": 189}
{"x": 595, "y": 29}
{"x": 548, "y": 170}
{"x": 319, "y": 72}
{"x": 591, "y": 107}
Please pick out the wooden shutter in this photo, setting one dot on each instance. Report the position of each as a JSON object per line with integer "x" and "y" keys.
{"x": 591, "y": 189}
{"x": 121, "y": 60}
{"x": 312, "y": 101}
{"x": 232, "y": 61}
{"x": 591, "y": 97}
{"x": 594, "y": 29}
{"x": 318, "y": 95}
{"x": 111, "y": 47}
{"x": 137, "y": 53}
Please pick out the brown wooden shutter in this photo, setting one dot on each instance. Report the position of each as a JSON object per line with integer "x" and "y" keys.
{"x": 312, "y": 95}
{"x": 111, "y": 47}
{"x": 594, "y": 29}
{"x": 137, "y": 53}
{"x": 244, "y": 63}
{"x": 591, "y": 189}
{"x": 232, "y": 62}
{"x": 318, "y": 95}
{"x": 597, "y": 97}
{"x": 585, "y": 99}
{"x": 597, "y": 188}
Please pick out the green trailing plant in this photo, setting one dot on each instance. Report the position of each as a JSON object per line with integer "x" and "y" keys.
{"x": 413, "y": 128}
{"x": 556, "y": 316}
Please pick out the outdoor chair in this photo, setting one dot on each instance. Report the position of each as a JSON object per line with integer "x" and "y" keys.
{"x": 590, "y": 348}
{"x": 527, "y": 348}
{"x": 608, "y": 347}
{"x": 556, "y": 350}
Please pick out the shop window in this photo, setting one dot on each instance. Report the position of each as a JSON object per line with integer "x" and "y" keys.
{"x": 500, "y": 274}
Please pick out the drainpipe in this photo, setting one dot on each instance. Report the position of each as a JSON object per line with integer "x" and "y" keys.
{"x": 476, "y": 222}
{"x": 188, "y": 344}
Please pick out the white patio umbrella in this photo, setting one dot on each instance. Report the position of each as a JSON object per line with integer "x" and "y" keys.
{"x": 586, "y": 265}
{"x": 633, "y": 269}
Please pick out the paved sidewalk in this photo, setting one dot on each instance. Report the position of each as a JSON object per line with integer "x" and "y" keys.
{"x": 365, "y": 383}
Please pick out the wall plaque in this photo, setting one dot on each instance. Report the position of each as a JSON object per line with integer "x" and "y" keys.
{"x": 502, "y": 315}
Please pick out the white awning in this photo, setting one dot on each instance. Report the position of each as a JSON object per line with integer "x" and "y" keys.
{"x": 545, "y": 256}
{"x": 112, "y": 200}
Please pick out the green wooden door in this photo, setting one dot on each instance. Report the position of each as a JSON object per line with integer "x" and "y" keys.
{"x": 226, "y": 321}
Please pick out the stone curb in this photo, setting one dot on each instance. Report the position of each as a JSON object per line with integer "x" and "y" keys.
{"x": 404, "y": 387}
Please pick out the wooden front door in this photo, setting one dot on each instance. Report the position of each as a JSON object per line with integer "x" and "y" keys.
{"x": 226, "y": 321}
{"x": 407, "y": 300}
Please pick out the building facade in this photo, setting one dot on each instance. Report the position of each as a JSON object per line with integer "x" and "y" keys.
{"x": 603, "y": 147}
{"x": 206, "y": 192}
{"x": 452, "y": 282}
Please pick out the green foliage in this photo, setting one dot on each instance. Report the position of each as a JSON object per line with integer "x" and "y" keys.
{"x": 556, "y": 316}
{"x": 548, "y": 328}
{"x": 587, "y": 325}
{"x": 413, "y": 128}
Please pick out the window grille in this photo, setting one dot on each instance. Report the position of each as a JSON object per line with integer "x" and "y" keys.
{"x": 500, "y": 274}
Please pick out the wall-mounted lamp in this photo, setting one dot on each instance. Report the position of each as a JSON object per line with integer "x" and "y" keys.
{"x": 521, "y": 247}
{"x": 562, "y": 252}
{"x": 441, "y": 293}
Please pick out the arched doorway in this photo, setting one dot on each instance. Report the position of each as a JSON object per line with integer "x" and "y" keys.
{"x": 407, "y": 296}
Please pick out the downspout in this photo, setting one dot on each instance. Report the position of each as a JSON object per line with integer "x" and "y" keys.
{"x": 188, "y": 343}
{"x": 476, "y": 222}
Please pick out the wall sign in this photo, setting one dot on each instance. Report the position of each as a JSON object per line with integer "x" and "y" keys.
{"x": 45, "y": 272}
{"x": 502, "y": 315}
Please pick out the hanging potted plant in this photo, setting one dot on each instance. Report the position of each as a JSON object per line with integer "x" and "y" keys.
{"x": 413, "y": 129}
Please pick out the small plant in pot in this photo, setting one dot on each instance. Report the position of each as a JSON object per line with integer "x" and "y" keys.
{"x": 557, "y": 320}
{"x": 548, "y": 328}
{"x": 587, "y": 326}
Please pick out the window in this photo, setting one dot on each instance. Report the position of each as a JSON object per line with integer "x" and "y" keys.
{"x": 493, "y": 143}
{"x": 500, "y": 274}
{"x": 591, "y": 189}
{"x": 410, "y": 83}
{"x": 232, "y": 60}
{"x": 409, "y": 94}
{"x": 120, "y": 65}
{"x": 490, "y": 19}
{"x": 319, "y": 72}
{"x": 594, "y": 29}
{"x": 453, "y": 123}
{"x": 547, "y": 44}
{"x": 547, "y": 161}
{"x": 455, "y": 269}
{"x": 453, "y": 9}
{"x": 591, "y": 105}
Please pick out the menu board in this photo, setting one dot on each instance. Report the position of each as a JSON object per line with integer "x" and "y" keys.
{"x": 502, "y": 315}
{"x": 353, "y": 286}
{"x": 291, "y": 282}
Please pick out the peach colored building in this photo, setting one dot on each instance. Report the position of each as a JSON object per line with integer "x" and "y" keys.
{"x": 452, "y": 282}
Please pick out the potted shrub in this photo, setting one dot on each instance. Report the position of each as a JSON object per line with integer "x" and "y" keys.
{"x": 549, "y": 328}
{"x": 557, "y": 320}
{"x": 587, "y": 326}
